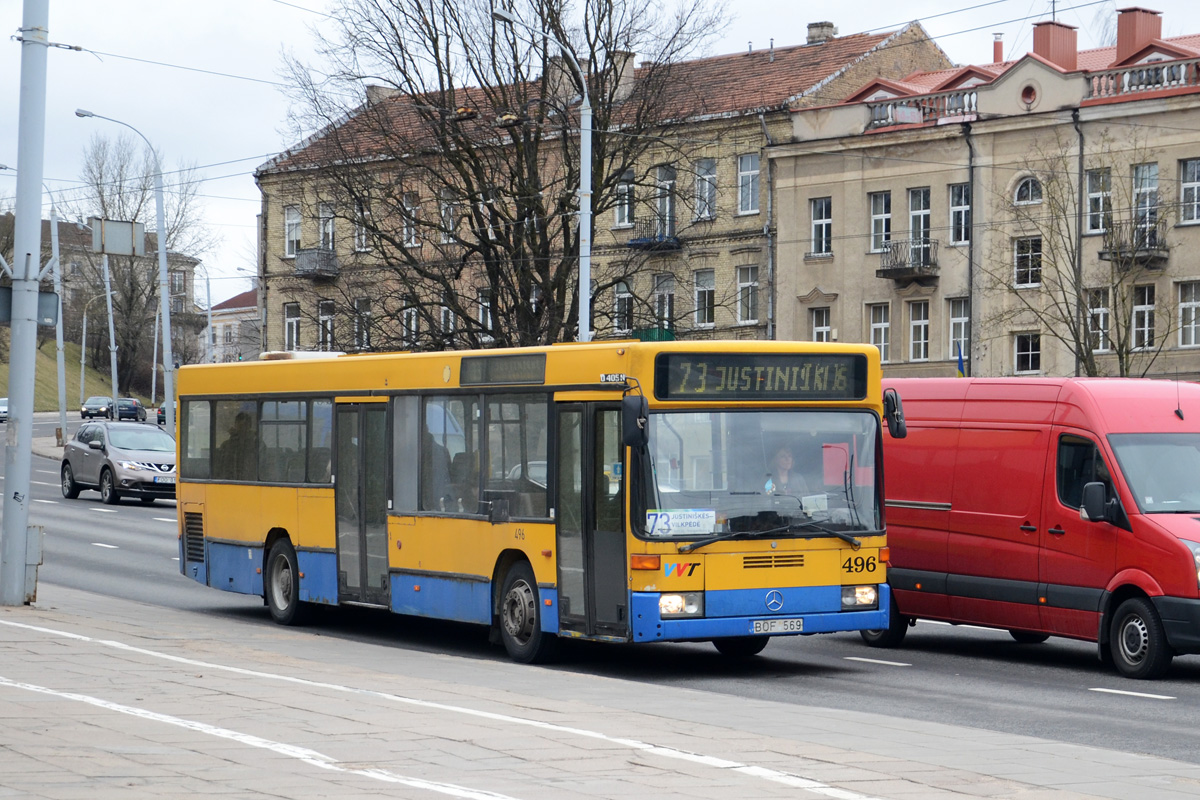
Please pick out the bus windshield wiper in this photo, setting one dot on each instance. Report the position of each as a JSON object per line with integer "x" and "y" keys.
{"x": 720, "y": 537}
{"x": 789, "y": 528}
{"x": 845, "y": 537}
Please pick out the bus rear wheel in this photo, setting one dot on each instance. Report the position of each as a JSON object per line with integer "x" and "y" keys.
{"x": 741, "y": 646}
{"x": 521, "y": 618}
{"x": 283, "y": 584}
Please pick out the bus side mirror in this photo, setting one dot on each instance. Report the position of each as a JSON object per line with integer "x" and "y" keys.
{"x": 893, "y": 414}
{"x": 1094, "y": 502}
{"x": 635, "y": 416}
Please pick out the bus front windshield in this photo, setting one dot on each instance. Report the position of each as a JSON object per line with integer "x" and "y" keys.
{"x": 1162, "y": 470}
{"x": 782, "y": 472}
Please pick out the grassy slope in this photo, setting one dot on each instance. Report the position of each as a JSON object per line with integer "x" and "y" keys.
{"x": 46, "y": 390}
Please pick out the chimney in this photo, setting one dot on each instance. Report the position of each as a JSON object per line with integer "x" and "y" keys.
{"x": 997, "y": 48}
{"x": 377, "y": 93}
{"x": 1136, "y": 27}
{"x": 1057, "y": 43}
{"x": 820, "y": 32}
{"x": 622, "y": 73}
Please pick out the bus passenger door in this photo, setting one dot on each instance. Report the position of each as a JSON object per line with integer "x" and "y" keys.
{"x": 360, "y": 495}
{"x": 593, "y": 587}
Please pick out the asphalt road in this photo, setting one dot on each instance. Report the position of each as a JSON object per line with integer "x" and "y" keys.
{"x": 957, "y": 675}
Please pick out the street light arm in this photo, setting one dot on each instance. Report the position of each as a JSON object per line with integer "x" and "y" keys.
{"x": 512, "y": 20}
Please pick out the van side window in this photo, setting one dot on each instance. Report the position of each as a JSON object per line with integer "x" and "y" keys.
{"x": 1079, "y": 463}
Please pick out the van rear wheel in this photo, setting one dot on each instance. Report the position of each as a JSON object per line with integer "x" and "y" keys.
{"x": 1028, "y": 637}
{"x": 1138, "y": 641}
{"x": 891, "y": 636}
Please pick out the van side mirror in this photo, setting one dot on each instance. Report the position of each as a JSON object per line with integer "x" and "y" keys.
{"x": 1095, "y": 500}
{"x": 635, "y": 416}
{"x": 893, "y": 414}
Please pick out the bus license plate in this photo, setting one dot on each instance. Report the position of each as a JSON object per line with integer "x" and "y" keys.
{"x": 777, "y": 625}
{"x": 164, "y": 478}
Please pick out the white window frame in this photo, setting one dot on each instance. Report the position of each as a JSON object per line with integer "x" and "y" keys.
{"x": 1189, "y": 191}
{"x": 1145, "y": 204}
{"x": 879, "y": 316}
{"x": 705, "y": 285}
{"x": 411, "y": 321}
{"x": 664, "y": 202}
{"x": 1024, "y": 262}
{"x": 880, "y": 204}
{"x": 362, "y": 323}
{"x": 960, "y": 213}
{"x": 291, "y": 231}
{"x": 706, "y": 188}
{"x": 326, "y": 314}
{"x": 1142, "y": 328}
{"x": 1189, "y": 314}
{"x": 748, "y": 172}
{"x": 1031, "y": 352}
{"x": 1031, "y": 188}
{"x": 920, "y": 221}
{"x": 623, "y": 210}
{"x": 449, "y": 321}
{"x": 408, "y": 230}
{"x": 447, "y": 219}
{"x": 747, "y": 293}
{"x": 664, "y": 300}
{"x": 622, "y": 308}
{"x": 487, "y": 317}
{"x": 361, "y": 241}
{"x": 960, "y": 327}
{"x": 1098, "y": 320}
{"x": 325, "y": 225}
{"x": 291, "y": 326}
{"x": 821, "y": 211}
{"x": 918, "y": 330}
{"x": 1099, "y": 199}
{"x": 822, "y": 330}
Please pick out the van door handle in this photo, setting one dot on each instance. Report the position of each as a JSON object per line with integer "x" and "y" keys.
{"x": 1056, "y": 531}
{"x": 1029, "y": 528}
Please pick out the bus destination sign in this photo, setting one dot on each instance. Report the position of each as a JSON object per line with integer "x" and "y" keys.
{"x": 760, "y": 376}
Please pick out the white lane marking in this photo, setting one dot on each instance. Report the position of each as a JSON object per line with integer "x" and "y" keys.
{"x": 106, "y": 546}
{"x": 164, "y": 519}
{"x": 46, "y": 471}
{"x": 772, "y": 775}
{"x": 1134, "y": 694}
{"x": 310, "y": 757}
{"x": 43, "y": 483}
{"x": 51, "y": 502}
{"x": 103, "y": 510}
{"x": 878, "y": 661}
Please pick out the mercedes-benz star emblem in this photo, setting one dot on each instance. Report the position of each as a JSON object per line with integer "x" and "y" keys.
{"x": 774, "y": 600}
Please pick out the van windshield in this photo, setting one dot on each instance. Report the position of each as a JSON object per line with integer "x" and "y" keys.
{"x": 716, "y": 472}
{"x": 1162, "y": 470}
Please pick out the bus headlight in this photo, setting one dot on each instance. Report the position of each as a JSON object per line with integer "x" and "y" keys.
{"x": 1195, "y": 548}
{"x": 858, "y": 598}
{"x": 688, "y": 604}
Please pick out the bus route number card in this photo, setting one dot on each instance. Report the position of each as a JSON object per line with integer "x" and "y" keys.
{"x": 681, "y": 522}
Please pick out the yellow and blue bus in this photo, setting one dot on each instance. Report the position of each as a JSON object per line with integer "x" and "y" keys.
{"x": 610, "y": 491}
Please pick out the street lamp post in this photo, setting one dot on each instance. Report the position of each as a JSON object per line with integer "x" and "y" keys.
{"x": 164, "y": 299}
{"x": 112, "y": 363}
{"x": 585, "y": 178}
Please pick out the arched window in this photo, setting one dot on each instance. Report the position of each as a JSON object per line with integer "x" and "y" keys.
{"x": 1029, "y": 190}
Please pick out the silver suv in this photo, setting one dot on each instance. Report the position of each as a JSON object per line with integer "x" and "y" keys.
{"x": 118, "y": 459}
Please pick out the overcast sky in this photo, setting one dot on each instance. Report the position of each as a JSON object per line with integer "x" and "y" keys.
{"x": 197, "y": 78}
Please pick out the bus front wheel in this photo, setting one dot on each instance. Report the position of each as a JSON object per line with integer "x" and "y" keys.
{"x": 283, "y": 584}
{"x": 741, "y": 646}
{"x": 521, "y": 618}
{"x": 893, "y": 634}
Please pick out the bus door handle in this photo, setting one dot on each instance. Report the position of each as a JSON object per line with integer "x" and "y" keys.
{"x": 1056, "y": 531}
{"x": 1028, "y": 528}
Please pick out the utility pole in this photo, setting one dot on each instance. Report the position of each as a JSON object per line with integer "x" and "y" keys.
{"x": 15, "y": 588}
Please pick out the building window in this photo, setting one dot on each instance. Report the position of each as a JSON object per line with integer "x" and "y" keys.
{"x": 960, "y": 327}
{"x": 747, "y": 278}
{"x": 918, "y": 331}
{"x": 822, "y": 225}
{"x": 361, "y": 242}
{"x": 1189, "y": 314}
{"x": 362, "y": 323}
{"x": 664, "y": 300}
{"x": 1027, "y": 257}
{"x": 622, "y": 308}
{"x": 748, "y": 184}
{"x": 880, "y": 316}
{"x": 1099, "y": 200}
{"x": 412, "y": 326}
{"x": 325, "y": 225}
{"x": 1097, "y": 303}
{"x": 448, "y": 320}
{"x": 1189, "y": 191}
{"x": 1029, "y": 191}
{"x": 1143, "y": 317}
{"x": 960, "y": 213}
{"x": 821, "y": 330}
{"x": 918, "y": 227}
{"x": 228, "y": 334}
{"x": 291, "y": 326}
{"x": 664, "y": 203}
{"x": 325, "y": 325}
{"x": 624, "y": 199}
{"x": 448, "y": 211}
{"x": 409, "y": 223}
{"x": 486, "y": 319}
{"x": 706, "y": 298}
{"x": 1145, "y": 203}
{"x": 1027, "y": 356}
{"x": 291, "y": 231}
{"x": 178, "y": 282}
{"x": 706, "y": 188}
{"x": 881, "y": 220}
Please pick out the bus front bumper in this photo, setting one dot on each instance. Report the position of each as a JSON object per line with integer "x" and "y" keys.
{"x": 821, "y": 616}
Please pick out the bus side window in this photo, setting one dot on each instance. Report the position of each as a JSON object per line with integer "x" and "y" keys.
{"x": 405, "y": 434}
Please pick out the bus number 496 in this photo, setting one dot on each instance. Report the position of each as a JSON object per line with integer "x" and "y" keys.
{"x": 859, "y": 564}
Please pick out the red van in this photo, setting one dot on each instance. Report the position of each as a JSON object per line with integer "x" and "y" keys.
{"x": 1049, "y": 507}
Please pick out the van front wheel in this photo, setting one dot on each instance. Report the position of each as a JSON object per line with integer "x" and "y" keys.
{"x": 1138, "y": 641}
{"x": 893, "y": 634}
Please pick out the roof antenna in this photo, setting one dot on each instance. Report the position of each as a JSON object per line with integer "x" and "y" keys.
{"x": 772, "y": 50}
{"x": 749, "y": 47}
{"x": 1178, "y": 407}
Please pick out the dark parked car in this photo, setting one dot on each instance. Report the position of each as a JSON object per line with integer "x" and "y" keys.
{"x": 131, "y": 408}
{"x": 162, "y": 413}
{"x": 96, "y": 407}
{"x": 119, "y": 459}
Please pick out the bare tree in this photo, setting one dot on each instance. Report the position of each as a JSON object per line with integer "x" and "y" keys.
{"x": 461, "y": 172}
{"x": 1079, "y": 256}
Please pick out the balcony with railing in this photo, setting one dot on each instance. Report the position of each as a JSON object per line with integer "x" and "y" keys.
{"x": 316, "y": 262}
{"x": 657, "y": 233}
{"x": 957, "y": 106}
{"x": 1136, "y": 243}
{"x": 1155, "y": 77}
{"x": 909, "y": 260}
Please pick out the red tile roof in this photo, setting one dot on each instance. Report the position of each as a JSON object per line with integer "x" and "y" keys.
{"x": 248, "y": 299}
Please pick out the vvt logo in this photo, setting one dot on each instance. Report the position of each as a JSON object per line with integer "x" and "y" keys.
{"x": 679, "y": 570}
